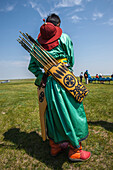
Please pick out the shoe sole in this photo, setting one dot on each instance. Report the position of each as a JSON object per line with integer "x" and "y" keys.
{"x": 78, "y": 160}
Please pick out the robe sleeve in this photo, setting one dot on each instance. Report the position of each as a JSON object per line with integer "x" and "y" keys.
{"x": 36, "y": 70}
{"x": 68, "y": 48}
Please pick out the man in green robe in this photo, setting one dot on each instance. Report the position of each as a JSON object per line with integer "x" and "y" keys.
{"x": 65, "y": 117}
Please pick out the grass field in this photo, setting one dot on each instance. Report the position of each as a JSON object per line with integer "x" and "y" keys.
{"x": 21, "y": 146}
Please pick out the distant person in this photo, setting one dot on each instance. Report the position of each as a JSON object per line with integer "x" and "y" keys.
{"x": 112, "y": 76}
{"x": 97, "y": 76}
{"x": 86, "y": 76}
{"x": 100, "y": 77}
{"x": 81, "y": 76}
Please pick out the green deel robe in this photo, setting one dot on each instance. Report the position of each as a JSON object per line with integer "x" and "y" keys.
{"x": 65, "y": 117}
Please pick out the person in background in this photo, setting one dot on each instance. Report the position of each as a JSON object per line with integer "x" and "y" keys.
{"x": 81, "y": 76}
{"x": 86, "y": 76}
{"x": 97, "y": 76}
{"x": 100, "y": 77}
{"x": 112, "y": 75}
{"x": 65, "y": 117}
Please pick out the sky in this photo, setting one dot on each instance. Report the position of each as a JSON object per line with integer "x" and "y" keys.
{"x": 89, "y": 23}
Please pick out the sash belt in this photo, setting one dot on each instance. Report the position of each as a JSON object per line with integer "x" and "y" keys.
{"x": 62, "y": 60}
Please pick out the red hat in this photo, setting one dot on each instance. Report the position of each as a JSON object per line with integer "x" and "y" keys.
{"x": 49, "y": 33}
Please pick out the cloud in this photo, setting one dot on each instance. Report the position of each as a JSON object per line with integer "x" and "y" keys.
{"x": 68, "y": 3}
{"x": 75, "y": 19}
{"x": 33, "y": 4}
{"x": 97, "y": 15}
{"x": 7, "y": 8}
{"x": 39, "y": 8}
{"x": 109, "y": 22}
{"x": 43, "y": 12}
{"x": 73, "y": 12}
{"x": 88, "y": 0}
{"x": 79, "y": 9}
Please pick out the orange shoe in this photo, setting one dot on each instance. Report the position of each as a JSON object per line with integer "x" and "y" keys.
{"x": 57, "y": 148}
{"x": 78, "y": 154}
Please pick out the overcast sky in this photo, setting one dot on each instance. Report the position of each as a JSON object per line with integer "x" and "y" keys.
{"x": 89, "y": 23}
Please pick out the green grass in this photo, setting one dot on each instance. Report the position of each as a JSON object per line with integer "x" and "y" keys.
{"x": 21, "y": 145}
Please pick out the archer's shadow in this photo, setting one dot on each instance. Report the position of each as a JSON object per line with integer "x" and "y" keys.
{"x": 34, "y": 146}
{"x": 106, "y": 125}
